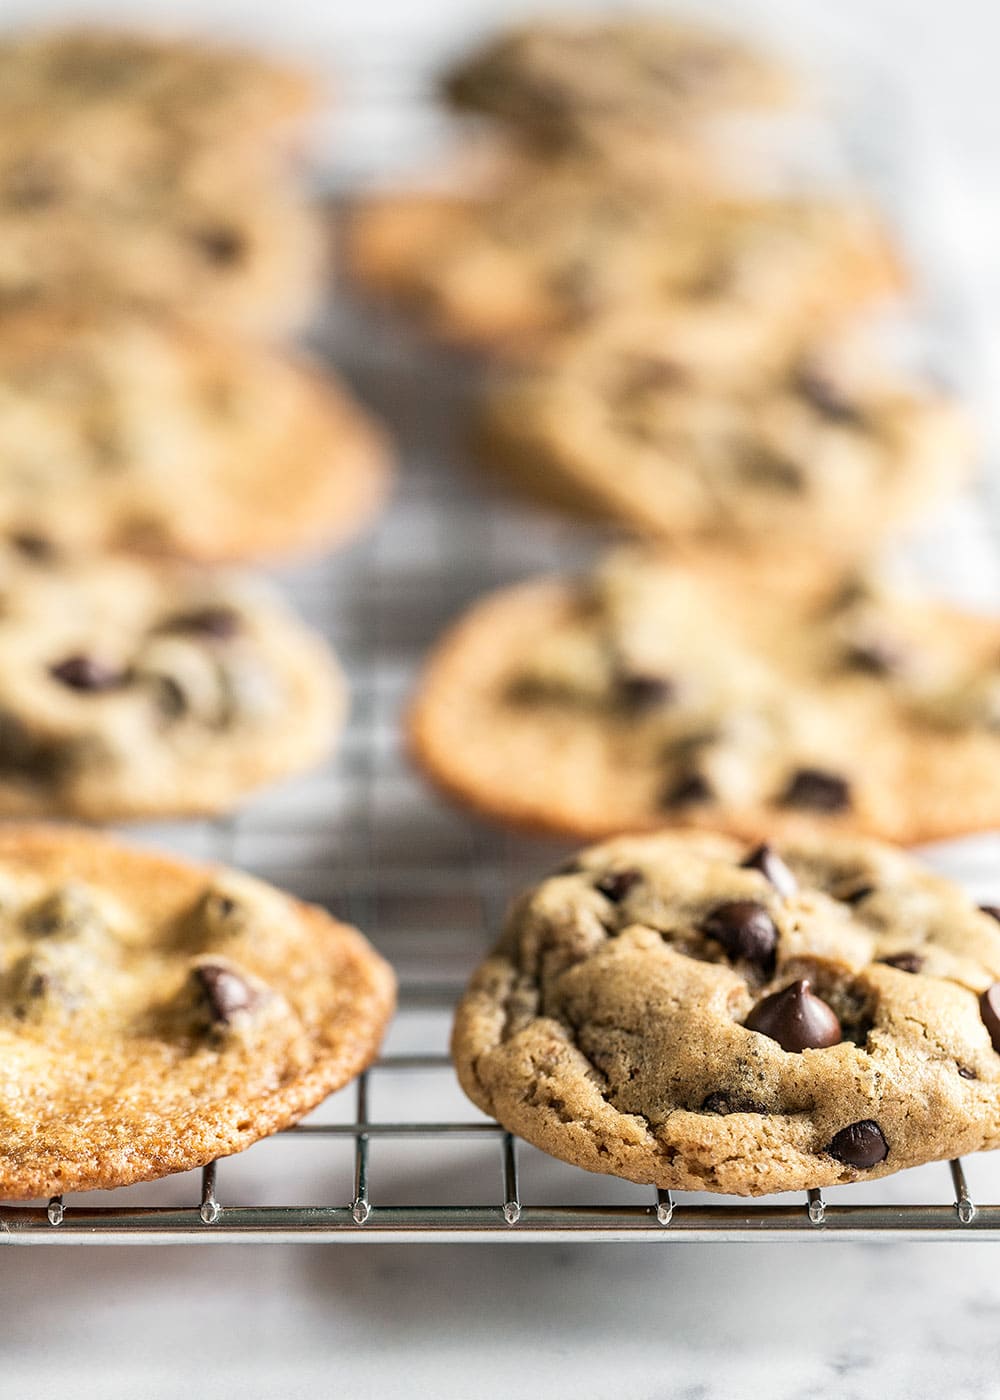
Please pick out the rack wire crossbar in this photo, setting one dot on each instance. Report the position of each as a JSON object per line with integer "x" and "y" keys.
{"x": 508, "y": 1218}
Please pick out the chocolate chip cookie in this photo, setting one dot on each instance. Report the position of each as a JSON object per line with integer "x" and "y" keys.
{"x": 134, "y": 690}
{"x": 688, "y": 1011}
{"x": 594, "y": 85}
{"x": 155, "y": 1014}
{"x": 547, "y": 253}
{"x": 127, "y": 432}
{"x": 679, "y": 426}
{"x": 764, "y": 701}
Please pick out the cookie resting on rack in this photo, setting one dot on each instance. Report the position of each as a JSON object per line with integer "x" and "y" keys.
{"x": 762, "y": 701}
{"x": 598, "y": 85}
{"x": 547, "y": 252}
{"x": 822, "y": 451}
{"x": 120, "y": 431}
{"x": 156, "y": 1015}
{"x": 131, "y": 690}
{"x": 690, "y": 1012}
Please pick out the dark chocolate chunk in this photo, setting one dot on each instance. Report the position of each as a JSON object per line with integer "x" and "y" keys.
{"x": 817, "y": 790}
{"x": 728, "y": 1103}
{"x": 687, "y": 791}
{"x": 746, "y": 931}
{"x": 992, "y": 909}
{"x": 616, "y": 884}
{"x": 766, "y": 859}
{"x": 989, "y": 1009}
{"x": 797, "y": 1019}
{"x": 967, "y": 1073}
{"x": 32, "y": 546}
{"x": 859, "y": 1145}
{"x": 225, "y": 991}
{"x": 222, "y": 246}
{"x": 88, "y": 673}
{"x": 905, "y": 962}
{"x": 641, "y": 692}
{"x": 828, "y": 398}
{"x": 216, "y": 621}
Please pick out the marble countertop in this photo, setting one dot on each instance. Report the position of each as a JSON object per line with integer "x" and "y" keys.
{"x": 588, "y": 1322}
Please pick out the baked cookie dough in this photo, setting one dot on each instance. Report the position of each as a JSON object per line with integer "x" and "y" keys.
{"x": 588, "y": 85}
{"x": 156, "y": 1015}
{"x": 132, "y": 690}
{"x": 547, "y": 253}
{"x": 119, "y": 431}
{"x": 681, "y": 427}
{"x": 687, "y": 1011}
{"x": 763, "y": 701}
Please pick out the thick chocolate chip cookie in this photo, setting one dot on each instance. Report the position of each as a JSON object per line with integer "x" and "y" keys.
{"x": 155, "y": 1015}
{"x": 549, "y": 252}
{"x": 680, "y": 426}
{"x": 132, "y": 690}
{"x": 595, "y": 85}
{"x": 125, "y": 432}
{"x": 694, "y": 1013}
{"x": 760, "y": 701}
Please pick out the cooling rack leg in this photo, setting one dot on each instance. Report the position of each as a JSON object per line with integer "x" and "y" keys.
{"x": 361, "y": 1209}
{"x": 55, "y": 1210}
{"x": 209, "y": 1210}
{"x": 964, "y": 1207}
{"x": 511, "y": 1193}
{"x": 816, "y": 1206}
{"x": 664, "y": 1207}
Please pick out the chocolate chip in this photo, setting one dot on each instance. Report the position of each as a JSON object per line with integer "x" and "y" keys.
{"x": 223, "y": 246}
{"x": 746, "y": 931}
{"x": 817, "y": 790}
{"x": 859, "y": 1145}
{"x": 726, "y": 1103}
{"x": 218, "y": 621}
{"x": 856, "y": 895}
{"x": 641, "y": 692}
{"x": 992, "y": 909}
{"x": 616, "y": 884}
{"x": 905, "y": 962}
{"x": 796, "y": 1019}
{"x": 989, "y": 1009}
{"x": 827, "y": 398}
{"x": 875, "y": 658}
{"x": 87, "y": 673}
{"x": 225, "y": 991}
{"x": 32, "y": 546}
{"x": 687, "y": 791}
{"x": 766, "y": 859}
{"x": 967, "y": 1073}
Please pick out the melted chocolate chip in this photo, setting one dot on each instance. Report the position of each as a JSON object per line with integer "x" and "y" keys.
{"x": 639, "y": 693}
{"x": 219, "y": 622}
{"x": 727, "y": 1103}
{"x": 859, "y": 1145}
{"x": 989, "y": 1009}
{"x": 616, "y": 884}
{"x": 746, "y": 931}
{"x": 88, "y": 673}
{"x": 875, "y": 658}
{"x": 828, "y": 398}
{"x": 222, "y": 246}
{"x": 687, "y": 791}
{"x": 766, "y": 859}
{"x": 32, "y": 546}
{"x": 225, "y": 991}
{"x": 904, "y": 962}
{"x": 796, "y": 1019}
{"x": 992, "y": 909}
{"x": 817, "y": 790}
{"x": 967, "y": 1073}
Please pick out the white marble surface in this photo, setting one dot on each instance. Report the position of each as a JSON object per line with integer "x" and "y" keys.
{"x": 588, "y": 1322}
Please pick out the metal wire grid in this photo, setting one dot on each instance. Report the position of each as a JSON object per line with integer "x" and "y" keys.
{"x": 366, "y": 839}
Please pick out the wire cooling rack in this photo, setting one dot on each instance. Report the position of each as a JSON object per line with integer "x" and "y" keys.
{"x": 401, "y": 1156}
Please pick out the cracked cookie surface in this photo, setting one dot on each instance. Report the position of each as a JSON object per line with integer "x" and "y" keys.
{"x": 121, "y": 431}
{"x": 138, "y": 690}
{"x": 690, "y": 432}
{"x": 667, "y": 692}
{"x": 156, "y": 1014}
{"x": 686, "y": 1011}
